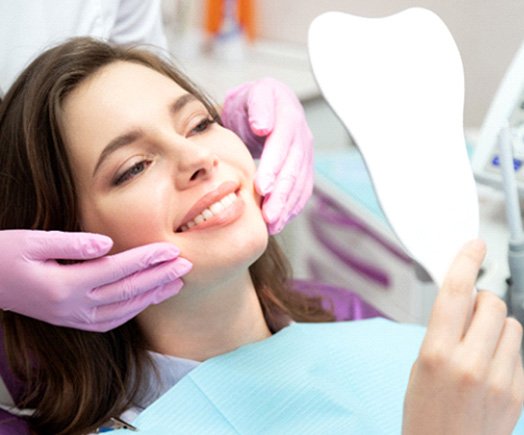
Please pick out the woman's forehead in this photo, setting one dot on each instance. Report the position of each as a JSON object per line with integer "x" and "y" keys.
{"x": 121, "y": 78}
{"x": 116, "y": 90}
{"x": 118, "y": 96}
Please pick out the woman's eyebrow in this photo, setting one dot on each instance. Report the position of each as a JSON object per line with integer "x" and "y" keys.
{"x": 117, "y": 143}
{"x": 181, "y": 102}
{"x": 135, "y": 134}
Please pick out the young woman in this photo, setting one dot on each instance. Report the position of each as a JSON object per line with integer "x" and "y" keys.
{"x": 103, "y": 139}
{"x": 265, "y": 113}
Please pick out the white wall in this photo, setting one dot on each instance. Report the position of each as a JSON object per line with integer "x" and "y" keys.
{"x": 488, "y": 32}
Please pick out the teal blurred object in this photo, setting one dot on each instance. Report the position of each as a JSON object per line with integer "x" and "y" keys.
{"x": 347, "y": 171}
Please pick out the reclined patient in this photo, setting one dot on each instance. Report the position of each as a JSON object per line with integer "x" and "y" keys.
{"x": 116, "y": 141}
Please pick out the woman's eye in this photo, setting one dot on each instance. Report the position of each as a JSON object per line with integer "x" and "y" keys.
{"x": 202, "y": 126}
{"x": 132, "y": 172}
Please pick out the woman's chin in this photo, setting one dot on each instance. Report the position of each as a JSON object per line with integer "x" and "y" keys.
{"x": 219, "y": 265}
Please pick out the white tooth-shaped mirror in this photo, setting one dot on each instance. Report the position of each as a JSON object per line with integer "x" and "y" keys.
{"x": 397, "y": 84}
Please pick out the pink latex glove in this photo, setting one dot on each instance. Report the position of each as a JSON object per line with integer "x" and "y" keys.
{"x": 95, "y": 295}
{"x": 268, "y": 117}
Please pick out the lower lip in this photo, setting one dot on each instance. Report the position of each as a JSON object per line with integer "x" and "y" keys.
{"x": 227, "y": 216}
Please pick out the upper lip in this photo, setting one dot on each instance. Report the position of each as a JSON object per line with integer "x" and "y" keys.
{"x": 209, "y": 198}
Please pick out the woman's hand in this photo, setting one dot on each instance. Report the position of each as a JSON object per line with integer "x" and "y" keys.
{"x": 268, "y": 117}
{"x": 468, "y": 378}
{"x": 96, "y": 295}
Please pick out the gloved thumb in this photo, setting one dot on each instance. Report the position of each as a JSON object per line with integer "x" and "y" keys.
{"x": 261, "y": 107}
{"x": 57, "y": 245}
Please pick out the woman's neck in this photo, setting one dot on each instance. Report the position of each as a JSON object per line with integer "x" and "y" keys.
{"x": 218, "y": 320}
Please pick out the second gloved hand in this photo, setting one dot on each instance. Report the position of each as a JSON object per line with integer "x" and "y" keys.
{"x": 268, "y": 117}
{"x": 96, "y": 295}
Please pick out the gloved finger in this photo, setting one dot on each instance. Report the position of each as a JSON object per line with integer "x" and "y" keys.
{"x": 57, "y": 245}
{"x": 131, "y": 287}
{"x": 273, "y": 158}
{"x": 113, "y": 316}
{"x": 110, "y": 316}
{"x": 286, "y": 186}
{"x": 304, "y": 190}
{"x": 102, "y": 326}
{"x": 261, "y": 107}
{"x": 296, "y": 202}
{"x": 105, "y": 270}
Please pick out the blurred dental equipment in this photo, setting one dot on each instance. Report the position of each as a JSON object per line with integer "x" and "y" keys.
{"x": 391, "y": 81}
{"x": 515, "y": 295}
{"x": 507, "y": 109}
{"x": 497, "y": 162}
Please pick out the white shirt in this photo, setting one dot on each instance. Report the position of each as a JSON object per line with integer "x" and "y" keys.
{"x": 27, "y": 27}
{"x": 170, "y": 370}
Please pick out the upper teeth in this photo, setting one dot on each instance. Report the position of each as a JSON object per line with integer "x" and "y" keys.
{"x": 210, "y": 211}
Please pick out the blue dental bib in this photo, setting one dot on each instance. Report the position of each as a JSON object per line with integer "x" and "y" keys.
{"x": 327, "y": 378}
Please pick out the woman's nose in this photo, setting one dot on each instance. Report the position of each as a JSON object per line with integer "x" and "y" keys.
{"x": 194, "y": 165}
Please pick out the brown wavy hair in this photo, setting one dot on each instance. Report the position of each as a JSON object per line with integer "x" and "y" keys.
{"x": 76, "y": 380}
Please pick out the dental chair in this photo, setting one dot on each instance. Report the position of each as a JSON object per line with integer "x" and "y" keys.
{"x": 344, "y": 304}
{"x": 10, "y": 424}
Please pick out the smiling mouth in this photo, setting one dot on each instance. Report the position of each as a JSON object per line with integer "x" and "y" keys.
{"x": 209, "y": 212}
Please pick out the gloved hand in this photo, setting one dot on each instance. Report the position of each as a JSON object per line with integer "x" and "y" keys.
{"x": 268, "y": 117}
{"x": 96, "y": 295}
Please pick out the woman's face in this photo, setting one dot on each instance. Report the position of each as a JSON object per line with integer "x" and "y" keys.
{"x": 149, "y": 166}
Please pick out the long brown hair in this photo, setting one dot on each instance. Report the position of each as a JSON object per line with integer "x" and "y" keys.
{"x": 76, "y": 379}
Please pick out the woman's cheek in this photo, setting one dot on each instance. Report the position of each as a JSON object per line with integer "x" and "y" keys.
{"x": 131, "y": 220}
{"x": 139, "y": 228}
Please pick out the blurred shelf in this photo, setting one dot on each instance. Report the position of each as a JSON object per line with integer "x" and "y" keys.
{"x": 285, "y": 62}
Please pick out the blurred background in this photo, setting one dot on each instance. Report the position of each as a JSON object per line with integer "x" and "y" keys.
{"x": 488, "y": 33}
